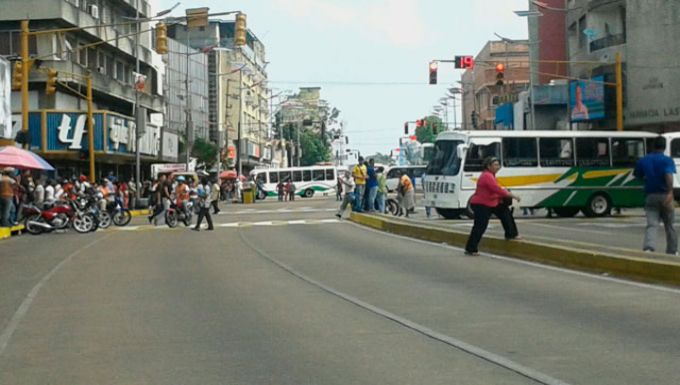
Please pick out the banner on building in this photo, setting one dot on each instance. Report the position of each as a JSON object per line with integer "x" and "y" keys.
{"x": 54, "y": 131}
{"x": 5, "y": 99}
{"x": 586, "y": 99}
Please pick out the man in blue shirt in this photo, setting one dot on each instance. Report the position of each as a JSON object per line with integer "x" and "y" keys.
{"x": 372, "y": 186}
{"x": 657, "y": 169}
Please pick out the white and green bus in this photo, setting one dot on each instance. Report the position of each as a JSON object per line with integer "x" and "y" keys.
{"x": 307, "y": 180}
{"x": 566, "y": 171}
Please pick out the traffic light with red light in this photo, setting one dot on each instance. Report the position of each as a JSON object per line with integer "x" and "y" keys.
{"x": 434, "y": 66}
{"x": 500, "y": 74}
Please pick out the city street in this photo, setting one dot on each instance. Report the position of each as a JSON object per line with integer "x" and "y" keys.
{"x": 283, "y": 293}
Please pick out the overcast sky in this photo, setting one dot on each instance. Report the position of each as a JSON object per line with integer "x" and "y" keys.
{"x": 345, "y": 45}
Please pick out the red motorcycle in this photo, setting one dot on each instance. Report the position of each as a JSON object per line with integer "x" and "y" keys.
{"x": 57, "y": 217}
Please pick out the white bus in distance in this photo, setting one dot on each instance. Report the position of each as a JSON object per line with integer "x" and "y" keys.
{"x": 307, "y": 180}
{"x": 566, "y": 171}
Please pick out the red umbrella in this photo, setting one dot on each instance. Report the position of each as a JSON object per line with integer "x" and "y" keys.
{"x": 19, "y": 158}
{"x": 230, "y": 174}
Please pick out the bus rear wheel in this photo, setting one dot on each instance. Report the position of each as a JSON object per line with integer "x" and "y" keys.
{"x": 599, "y": 205}
{"x": 309, "y": 193}
{"x": 566, "y": 212}
{"x": 449, "y": 213}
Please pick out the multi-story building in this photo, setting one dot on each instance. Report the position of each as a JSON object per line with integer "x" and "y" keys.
{"x": 481, "y": 94}
{"x": 645, "y": 34}
{"x": 176, "y": 77}
{"x": 105, "y": 48}
{"x": 239, "y": 101}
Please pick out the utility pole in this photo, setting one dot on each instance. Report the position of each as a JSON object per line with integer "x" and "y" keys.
{"x": 138, "y": 136}
{"x": 187, "y": 112}
{"x": 239, "y": 162}
{"x": 25, "y": 63}
{"x": 90, "y": 127}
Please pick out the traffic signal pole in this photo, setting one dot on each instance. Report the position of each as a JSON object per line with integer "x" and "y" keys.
{"x": 90, "y": 127}
{"x": 25, "y": 62}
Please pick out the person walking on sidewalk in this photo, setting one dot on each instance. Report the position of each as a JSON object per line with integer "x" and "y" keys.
{"x": 487, "y": 200}
{"x": 382, "y": 190}
{"x": 215, "y": 196}
{"x": 204, "y": 201}
{"x": 406, "y": 195}
{"x": 656, "y": 170}
{"x": 348, "y": 187}
{"x": 371, "y": 185}
{"x": 6, "y": 197}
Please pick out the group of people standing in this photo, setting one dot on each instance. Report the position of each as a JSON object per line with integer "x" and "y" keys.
{"x": 286, "y": 190}
{"x": 205, "y": 195}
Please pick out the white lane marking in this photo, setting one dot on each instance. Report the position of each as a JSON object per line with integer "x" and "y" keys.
{"x": 234, "y": 224}
{"x": 328, "y": 221}
{"x": 265, "y": 223}
{"x": 561, "y": 228}
{"x": 453, "y": 342}
{"x": 298, "y": 222}
{"x": 527, "y": 263}
{"x": 26, "y": 303}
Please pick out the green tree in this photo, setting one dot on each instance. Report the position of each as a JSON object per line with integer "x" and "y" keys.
{"x": 314, "y": 150}
{"x": 428, "y": 133}
{"x": 205, "y": 152}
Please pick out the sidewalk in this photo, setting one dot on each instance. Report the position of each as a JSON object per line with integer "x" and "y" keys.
{"x": 557, "y": 250}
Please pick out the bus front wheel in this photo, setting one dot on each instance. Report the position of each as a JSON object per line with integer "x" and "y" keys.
{"x": 309, "y": 193}
{"x": 598, "y": 205}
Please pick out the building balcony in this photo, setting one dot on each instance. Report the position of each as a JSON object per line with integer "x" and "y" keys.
{"x": 607, "y": 41}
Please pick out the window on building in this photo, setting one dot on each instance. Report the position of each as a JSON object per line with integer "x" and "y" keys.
{"x": 627, "y": 151}
{"x": 556, "y": 152}
{"x": 92, "y": 59}
{"x": 477, "y": 153}
{"x": 582, "y": 26}
{"x": 592, "y": 152}
{"x": 110, "y": 66}
{"x": 82, "y": 55}
{"x": 520, "y": 152}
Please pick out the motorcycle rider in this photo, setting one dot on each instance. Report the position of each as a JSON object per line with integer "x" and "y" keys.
{"x": 182, "y": 194}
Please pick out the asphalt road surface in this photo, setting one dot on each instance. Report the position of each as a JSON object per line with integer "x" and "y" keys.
{"x": 286, "y": 294}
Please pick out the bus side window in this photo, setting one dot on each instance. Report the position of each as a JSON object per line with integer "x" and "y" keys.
{"x": 330, "y": 174}
{"x": 556, "y": 152}
{"x": 627, "y": 151}
{"x": 520, "y": 152}
{"x": 273, "y": 177}
{"x": 317, "y": 175}
{"x": 675, "y": 148}
{"x": 307, "y": 175}
{"x": 477, "y": 153}
{"x": 297, "y": 176}
{"x": 592, "y": 152}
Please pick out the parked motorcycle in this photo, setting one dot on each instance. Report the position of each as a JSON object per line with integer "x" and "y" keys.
{"x": 57, "y": 217}
{"x": 120, "y": 215}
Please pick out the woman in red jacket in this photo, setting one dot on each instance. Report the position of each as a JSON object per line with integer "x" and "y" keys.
{"x": 487, "y": 200}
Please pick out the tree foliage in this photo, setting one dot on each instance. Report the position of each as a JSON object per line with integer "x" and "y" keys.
{"x": 314, "y": 149}
{"x": 205, "y": 152}
{"x": 428, "y": 132}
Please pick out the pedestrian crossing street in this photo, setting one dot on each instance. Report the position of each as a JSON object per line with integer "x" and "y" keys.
{"x": 180, "y": 227}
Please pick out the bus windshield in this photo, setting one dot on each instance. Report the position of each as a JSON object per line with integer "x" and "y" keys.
{"x": 445, "y": 160}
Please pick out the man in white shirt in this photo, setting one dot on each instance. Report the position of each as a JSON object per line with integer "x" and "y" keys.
{"x": 49, "y": 192}
{"x": 348, "y": 186}
{"x": 39, "y": 193}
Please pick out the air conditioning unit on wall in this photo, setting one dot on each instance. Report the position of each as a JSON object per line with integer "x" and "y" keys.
{"x": 94, "y": 11}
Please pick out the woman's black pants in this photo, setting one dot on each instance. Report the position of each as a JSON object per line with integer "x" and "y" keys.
{"x": 482, "y": 216}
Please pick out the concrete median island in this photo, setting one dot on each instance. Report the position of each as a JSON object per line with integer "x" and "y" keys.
{"x": 634, "y": 268}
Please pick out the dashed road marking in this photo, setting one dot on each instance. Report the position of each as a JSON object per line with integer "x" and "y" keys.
{"x": 231, "y": 225}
